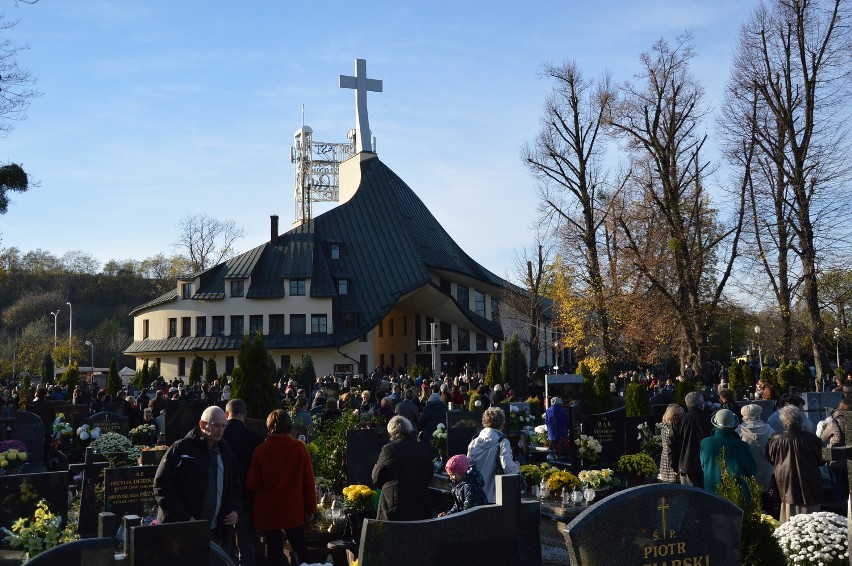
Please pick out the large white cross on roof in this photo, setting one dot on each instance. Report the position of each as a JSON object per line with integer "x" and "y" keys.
{"x": 361, "y": 84}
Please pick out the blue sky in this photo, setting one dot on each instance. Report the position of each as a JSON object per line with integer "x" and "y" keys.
{"x": 152, "y": 110}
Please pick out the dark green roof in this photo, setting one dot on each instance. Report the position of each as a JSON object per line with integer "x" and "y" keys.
{"x": 388, "y": 242}
{"x": 166, "y": 297}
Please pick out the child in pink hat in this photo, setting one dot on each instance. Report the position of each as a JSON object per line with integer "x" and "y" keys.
{"x": 465, "y": 484}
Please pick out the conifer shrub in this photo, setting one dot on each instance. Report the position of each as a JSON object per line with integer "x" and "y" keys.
{"x": 602, "y": 383}
{"x": 682, "y": 388}
{"x": 757, "y": 545}
{"x": 636, "y": 401}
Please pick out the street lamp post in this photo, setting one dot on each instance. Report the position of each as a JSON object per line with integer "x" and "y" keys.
{"x": 759, "y": 351}
{"x": 55, "y": 314}
{"x": 70, "y": 317}
{"x": 837, "y": 341}
{"x": 92, "y": 344}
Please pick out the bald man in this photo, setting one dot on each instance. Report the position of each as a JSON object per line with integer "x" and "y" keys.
{"x": 197, "y": 478}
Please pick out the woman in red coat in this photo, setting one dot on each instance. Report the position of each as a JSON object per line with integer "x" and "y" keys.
{"x": 282, "y": 479}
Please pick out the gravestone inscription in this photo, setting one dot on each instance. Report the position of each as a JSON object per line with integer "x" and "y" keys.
{"x": 130, "y": 490}
{"x": 109, "y": 422}
{"x": 654, "y": 525}
{"x": 608, "y": 429}
{"x": 19, "y": 495}
{"x": 29, "y": 429}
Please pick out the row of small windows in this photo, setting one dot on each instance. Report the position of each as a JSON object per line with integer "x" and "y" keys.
{"x": 297, "y": 288}
{"x": 298, "y": 325}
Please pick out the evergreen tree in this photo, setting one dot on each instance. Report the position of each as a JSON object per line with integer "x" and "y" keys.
{"x": 25, "y": 393}
{"x": 602, "y": 382}
{"x": 307, "y": 372}
{"x": 113, "y": 382}
{"x": 514, "y": 368}
{"x": 253, "y": 382}
{"x": 803, "y": 376}
{"x": 735, "y": 376}
{"x": 493, "y": 376}
{"x": 70, "y": 377}
{"x": 210, "y": 373}
{"x": 195, "y": 370}
{"x": 47, "y": 368}
{"x": 272, "y": 367}
{"x": 636, "y": 400}
{"x": 590, "y": 403}
{"x": 153, "y": 373}
{"x": 146, "y": 375}
{"x": 682, "y": 389}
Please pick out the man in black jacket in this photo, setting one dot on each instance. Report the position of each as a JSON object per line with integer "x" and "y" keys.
{"x": 198, "y": 479}
{"x": 242, "y": 441}
{"x": 688, "y": 430}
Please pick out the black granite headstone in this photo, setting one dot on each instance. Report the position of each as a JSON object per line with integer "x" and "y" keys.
{"x": 362, "y": 451}
{"x": 87, "y": 525}
{"x": 182, "y": 417}
{"x": 656, "y": 524}
{"x": 29, "y": 429}
{"x": 20, "y": 493}
{"x": 505, "y": 533}
{"x": 172, "y": 543}
{"x": 109, "y": 422}
{"x": 129, "y": 491}
{"x": 608, "y": 429}
{"x": 462, "y": 426}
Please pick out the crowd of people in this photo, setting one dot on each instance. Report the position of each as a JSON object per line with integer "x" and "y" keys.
{"x": 245, "y": 483}
{"x": 783, "y": 454}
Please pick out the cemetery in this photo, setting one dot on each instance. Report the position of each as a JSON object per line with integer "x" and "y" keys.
{"x": 96, "y": 495}
{"x": 632, "y": 435}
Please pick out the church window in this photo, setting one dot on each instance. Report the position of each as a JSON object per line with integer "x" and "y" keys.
{"x": 446, "y": 332}
{"x": 381, "y": 331}
{"x": 201, "y": 326}
{"x": 297, "y": 324}
{"x": 256, "y": 323}
{"x": 185, "y": 326}
{"x": 350, "y": 321}
{"x": 319, "y": 324}
{"x": 390, "y": 327}
{"x": 495, "y": 310}
{"x": 479, "y": 303}
{"x": 463, "y": 296}
{"x": 218, "y": 328}
{"x": 343, "y": 287}
{"x": 172, "y": 327}
{"x": 480, "y": 343}
{"x": 276, "y": 323}
{"x": 335, "y": 251}
{"x": 237, "y": 325}
{"x": 181, "y": 365}
{"x": 464, "y": 340}
{"x": 297, "y": 287}
{"x": 145, "y": 327}
{"x": 237, "y": 288}
{"x": 186, "y": 290}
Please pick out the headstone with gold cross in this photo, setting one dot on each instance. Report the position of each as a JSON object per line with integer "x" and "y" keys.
{"x": 657, "y": 525}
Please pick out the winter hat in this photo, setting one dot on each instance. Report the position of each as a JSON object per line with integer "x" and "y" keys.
{"x": 457, "y": 464}
{"x": 725, "y": 419}
{"x": 751, "y": 412}
{"x": 433, "y": 397}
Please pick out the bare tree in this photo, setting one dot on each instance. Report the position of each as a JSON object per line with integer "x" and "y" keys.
{"x": 529, "y": 300}
{"x": 793, "y": 58}
{"x": 674, "y": 236}
{"x": 565, "y": 159}
{"x": 205, "y": 240}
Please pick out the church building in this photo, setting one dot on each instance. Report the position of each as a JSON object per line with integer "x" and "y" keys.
{"x": 359, "y": 286}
